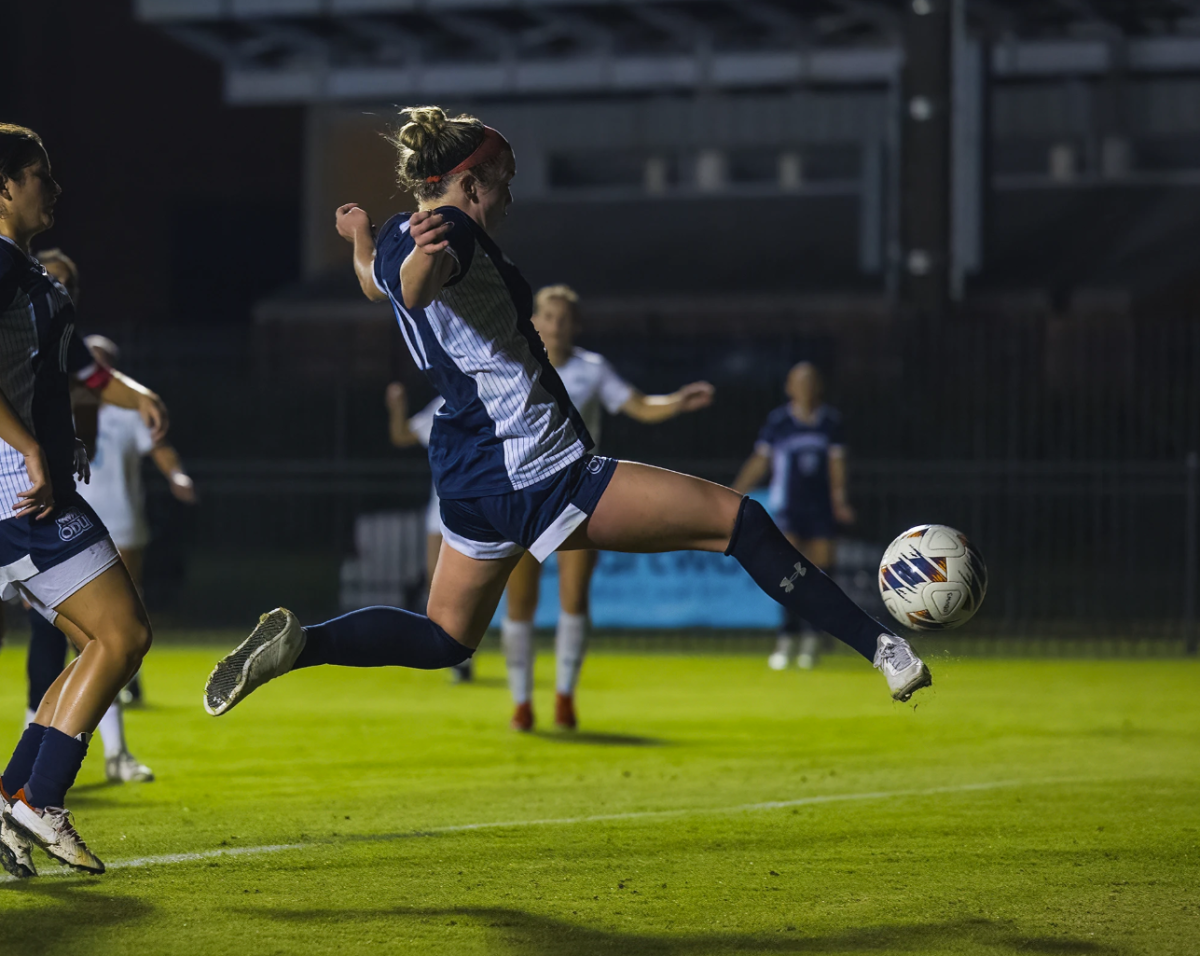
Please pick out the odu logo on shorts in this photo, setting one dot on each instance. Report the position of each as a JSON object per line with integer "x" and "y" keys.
{"x": 72, "y": 523}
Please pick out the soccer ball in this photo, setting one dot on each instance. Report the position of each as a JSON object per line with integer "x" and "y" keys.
{"x": 931, "y": 578}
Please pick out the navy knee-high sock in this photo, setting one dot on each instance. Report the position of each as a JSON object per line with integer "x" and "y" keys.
{"x": 47, "y": 657}
{"x": 58, "y": 762}
{"x": 381, "y": 637}
{"x": 16, "y": 774}
{"x": 800, "y": 586}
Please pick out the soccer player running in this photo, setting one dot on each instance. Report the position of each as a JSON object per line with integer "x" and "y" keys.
{"x": 509, "y": 451}
{"x": 802, "y": 449}
{"x": 54, "y": 550}
{"x": 591, "y": 383}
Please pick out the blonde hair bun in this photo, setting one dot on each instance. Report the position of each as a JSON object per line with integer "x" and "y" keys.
{"x": 425, "y": 124}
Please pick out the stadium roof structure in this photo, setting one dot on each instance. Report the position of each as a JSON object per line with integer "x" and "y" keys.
{"x": 303, "y": 51}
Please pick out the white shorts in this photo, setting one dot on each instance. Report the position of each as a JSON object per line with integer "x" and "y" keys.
{"x": 47, "y": 589}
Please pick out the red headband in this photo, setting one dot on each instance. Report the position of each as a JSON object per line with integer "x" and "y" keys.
{"x": 491, "y": 147}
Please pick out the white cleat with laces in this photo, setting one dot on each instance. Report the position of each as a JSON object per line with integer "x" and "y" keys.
{"x": 126, "y": 768}
{"x": 269, "y": 651}
{"x": 16, "y": 851}
{"x": 53, "y": 829}
{"x": 905, "y": 672}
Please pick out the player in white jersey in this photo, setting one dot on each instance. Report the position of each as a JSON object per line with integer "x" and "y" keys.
{"x": 594, "y": 387}
{"x": 54, "y": 550}
{"x": 509, "y": 452}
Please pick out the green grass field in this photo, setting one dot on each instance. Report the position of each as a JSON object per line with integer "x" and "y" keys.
{"x": 1022, "y": 807}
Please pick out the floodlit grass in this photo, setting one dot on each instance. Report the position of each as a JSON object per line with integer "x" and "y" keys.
{"x": 1086, "y": 841}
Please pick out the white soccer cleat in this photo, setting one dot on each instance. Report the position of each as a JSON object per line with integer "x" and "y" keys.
{"x": 269, "y": 651}
{"x": 905, "y": 672}
{"x": 53, "y": 829}
{"x": 778, "y": 661}
{"x": 16, "y": 851}
{"x": 126, "y": 768}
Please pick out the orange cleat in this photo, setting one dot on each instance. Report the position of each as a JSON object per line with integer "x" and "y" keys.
{"x": 522, "y": 718}
{"x": 564, "y": 712}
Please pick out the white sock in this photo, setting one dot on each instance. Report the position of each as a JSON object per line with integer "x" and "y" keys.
{"x": 810, "y": 642}
{"x": 516, "y": 637}
{"x": 112, "y": 731}
{"x": 29, "y": 718}
{"x": 570, "y": 645}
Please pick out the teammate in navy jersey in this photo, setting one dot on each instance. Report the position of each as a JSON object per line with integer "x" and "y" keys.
{"x": 509, "y": 452}
{"x": 54, "y": 551}
{"x": 594, "y": 387}
{"x": 801, "y": 447}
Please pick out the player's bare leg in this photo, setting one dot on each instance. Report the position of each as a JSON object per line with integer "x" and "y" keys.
{"x": 106, "y": 616}
{"x": 570, "y": 639}
{"x": 516, "y": 638}
{"x": 134, "y": 559}
{"x": 647, "y": 509}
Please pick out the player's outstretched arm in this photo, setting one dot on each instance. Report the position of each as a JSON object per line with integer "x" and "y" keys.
{"x": 430, "y": 265}
{"x": 124, "y": 392}
{"x": 399, "y": 430}
{"x": 651, "y": 409}
{"x": 354, "y": 225}
{"x": 752, "y": 473}
{"x": 837, "y": 485}
{"x": 166, "y": 459}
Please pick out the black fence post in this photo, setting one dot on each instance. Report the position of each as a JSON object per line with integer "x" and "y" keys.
{"x": 1191, "y": 493}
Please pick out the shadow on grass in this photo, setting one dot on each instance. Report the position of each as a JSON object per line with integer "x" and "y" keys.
{"x": 488, "y": 682}
{"x": 51, "y": 917}
{"x": 530, "y": 934}
{"x": 597, "y": 739}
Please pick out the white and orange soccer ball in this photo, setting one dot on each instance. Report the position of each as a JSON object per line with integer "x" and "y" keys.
{"x": 931, "y": 578}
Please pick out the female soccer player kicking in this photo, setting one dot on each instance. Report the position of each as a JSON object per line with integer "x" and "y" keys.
{"x": 591, "y": 383}
{"x": 802, "y": 449}
{"x": 509, "y": 451}
{"x": 54, "y": 550}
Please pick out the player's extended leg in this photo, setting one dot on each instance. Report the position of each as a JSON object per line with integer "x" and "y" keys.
{"x": 820, "y": 552}
{"x": 462, "y": 599}
{"x": 647, "y": 509}
{"x": 107, "y": 617}
{"x": 463, "y": 672}
{"x": 570, "y": 638}
{"x": 516, "y": 637}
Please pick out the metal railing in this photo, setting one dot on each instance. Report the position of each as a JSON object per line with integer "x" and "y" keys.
{"x": 1074, "y": 549}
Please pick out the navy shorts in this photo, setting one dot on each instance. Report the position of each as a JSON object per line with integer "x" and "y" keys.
{"x": 810, "y": 525}
{"x": 29, "y": 547}
{"x": 536, "y": 519}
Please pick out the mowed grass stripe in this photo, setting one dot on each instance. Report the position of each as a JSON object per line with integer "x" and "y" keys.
{"x": 197, "y": 857}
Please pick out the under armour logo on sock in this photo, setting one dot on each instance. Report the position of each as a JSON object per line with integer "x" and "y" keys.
{"x": 789, "y": 583}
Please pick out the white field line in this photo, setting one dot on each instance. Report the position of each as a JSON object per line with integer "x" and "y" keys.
{"x": 170, "y": 858}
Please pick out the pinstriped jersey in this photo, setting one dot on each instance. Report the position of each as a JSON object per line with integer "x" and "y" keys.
{"x": 39, "y": 352}
{"x": 507, "y": 422}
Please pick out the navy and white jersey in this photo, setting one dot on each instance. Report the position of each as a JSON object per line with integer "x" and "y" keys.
{"x": 40, "y": 352}
{"x": 799, "y": 453}
{"x": 593, "y": 384}
{"x": 507, "y": 422}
